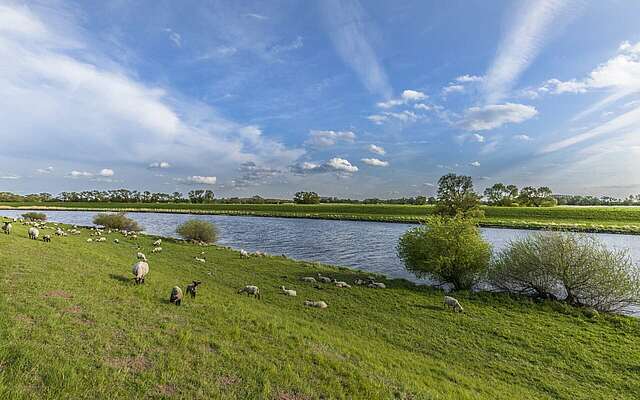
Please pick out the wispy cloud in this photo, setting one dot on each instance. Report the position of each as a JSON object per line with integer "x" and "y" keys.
{"x": 330, "y": 138}
{"x": 374, "y": 162}
{"x": 496, "y": 115}
{"x": 347, "y": 23}
{"x": 527, "y": 34}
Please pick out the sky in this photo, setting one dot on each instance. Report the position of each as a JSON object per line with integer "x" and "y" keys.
{"x": 344, "y": 98}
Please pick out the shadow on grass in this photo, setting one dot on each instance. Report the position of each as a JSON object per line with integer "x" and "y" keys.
{"x": 120, "y": 278}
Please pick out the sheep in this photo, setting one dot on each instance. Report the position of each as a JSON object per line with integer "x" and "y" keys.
{"x": 377, "y": 285}
{"x": 156, "y": 250}
{"x": 202, "y": 260}
{"x": 6, "y": 228}
{"x": 157, "y": 243}
{"x": 140, "y": 270}
{"x": 316, "y": 304}
{"x": 176, "y": 296}
{"x": 289, "y": 292}
{"x": 89, "y": 240}
{"x": 324, "y": 279}
{"x": 359, "y": 282}
{"x": 141, "y": 256}
{"x": 192, "y": 288}
{"x": 341, "y": 284}
{"x": 116, "y": 241}
{"x": 101, "y": 239}
{"x": 453, "y": 303}
{"x": 308, "y": 279}
{"x": 46, "y": 238}
{"x": 34, "y": 233}
{"x": 244, "y": 253}
{"x": 59, "y": 232}
{"x": 251, "y": 290}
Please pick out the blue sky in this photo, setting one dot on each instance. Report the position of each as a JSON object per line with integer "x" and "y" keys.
{"x": 346, "y": 98}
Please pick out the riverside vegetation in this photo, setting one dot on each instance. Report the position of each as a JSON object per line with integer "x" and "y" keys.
{"x": 73, "y": 325}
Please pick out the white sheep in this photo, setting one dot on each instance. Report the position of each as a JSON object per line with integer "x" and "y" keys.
{"x": 202, "y": 260}
{"x": 59, "y": 232}
{"x": 140, "y": 270}
{"x": 176, "y": 295}
{"x": 89, "y": 240}
{"x": 289, "y": 292}
{"x": 156, "y": 250}
{"x": 157, "y": 242}
{"x": 46, "y": 238}
{"x": 34, "y": 233}
{"x": 359, "y": 281}
{"x": 377, "y": 285}
{"x": 324, "y": 279}
{"x": 341, "y": 284}
{"x": 316, "y": 304}
{"x": 244, "y": 253}
{"x": 453, "y": 303}
{"x": 101, "y": 239}
{"x": 251, "y": 290}
{"x": 141, "y": 256}
{"x": 308, "y": 279}
{"x": 116, "y": 241}
{"x": 6, "y": 228}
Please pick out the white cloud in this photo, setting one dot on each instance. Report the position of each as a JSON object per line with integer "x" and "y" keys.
{"x": 78, "y": 174}
{"x": 374, "y": 162}
{"x": 174, "y": 37}
{"x": 407, "y": 96}
{"x": 106, "y": 172}
{"x": 347, "y": 23}
{"x": 160, "y": 164}
{"x": 452, "y": 89}
{"x": 203, "y": 180}
{"x": 496, "y": 115}
{"x": 521, "y": 44}
{"x": 469, "y": 78}
{"x": 340, "y": 164}
{"x": 475, "y": 164}
{"x": 422, "y": 106}
{"x": 329, "y": 138}
{"x": 377, "y": 149}
{"x": 478, "y": 137}
{"x": 523, "y": 137}
{"x": 378, "y": 119}
{"x": 335, "y": 165}
{"x": 403, "y": 116}
{"x": 10, "y": 177}
{"x": 46, "y": 170}
{"x": 257, "y": 16}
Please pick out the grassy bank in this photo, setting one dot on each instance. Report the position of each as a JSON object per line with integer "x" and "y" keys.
{"x": 585, "y": 219}
{"x": 72, "y": 325}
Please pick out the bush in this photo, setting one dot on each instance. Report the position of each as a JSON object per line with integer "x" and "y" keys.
{"x": 576, "y": 268}
{"x": 450, "y": 250}
{"x": 200, "y": 231}
{"x": 117, "y": 221}
{"x": 34, "y": 216}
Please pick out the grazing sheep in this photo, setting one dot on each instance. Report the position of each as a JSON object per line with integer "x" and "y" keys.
{"x": 202, "y": 260}
{"x": 359, "y": 282}
{"x": 140, "y": 270}
{"x": 309, "y": 279}
{"x": 141, "y": 256}
{"x": 316, "y": 304}
{"x": 324, "y": 279}
{"x": 6, "y": 228}
{"x": 116, "y": 241}
{"x": 176, "y": 296}
{"x": 377, "y": 285}
{"x": 157, "y": 242}
{"x": 46, "y": 238}
{"x": 89, "y": 240}
{"x": 341, "y": 284}
{"x": 192, "y": 288}
{"x": 34, "y": 233}
{"x": 156, "y": 250}
{"x": 244, "y": 253}
{"x": 453, "y": 303}
{"x": 59, "y": 232}
{"x": 251, "y": 290}
{"x": 289, "y": 292}
{"x": 101, "y": 239}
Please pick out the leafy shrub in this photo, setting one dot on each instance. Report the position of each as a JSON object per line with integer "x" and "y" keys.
{"x": 117, "y": 221}
{"x": 200, "y": 231}
{"x": 576, "y": 268}
{"x": 34, "y": 216}
{"x": 448, "y": 249}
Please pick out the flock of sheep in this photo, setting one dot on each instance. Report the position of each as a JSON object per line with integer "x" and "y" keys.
{"x": 141, "y": 268}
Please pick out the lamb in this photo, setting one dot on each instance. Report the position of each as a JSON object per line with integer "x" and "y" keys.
{"x": 46, "y": 238}
{"x": 6, "y": 228}
{"x": 453, "y": 303}
{"x": 309, "y": 279}
{"x": 192, "y": 288}
{"x": 251, "y": 290}
{"x": 324, "y": 279}
{"x": 156, "y": 250}
{"x": 157, "y": 242}
{"x": 176, "y": 296}
{"x": 116, "y": 241}
{"x": 140, "y": 270}
{"x": 34, "y": 233}
{"x": 244, "y": 253}
{"x": 289, "y": 292}
{"x": 141, "y": 256}
{"x": 377, "y": 285}
{"x": 342, "y": 284}
{"x": 316, "y": 304}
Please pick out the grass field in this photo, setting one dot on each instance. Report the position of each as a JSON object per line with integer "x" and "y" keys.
{"x": 576, "y": 218}
{"x": 73, "y": 326}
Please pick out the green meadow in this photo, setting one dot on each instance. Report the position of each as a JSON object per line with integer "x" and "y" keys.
{"x": 74, "y": 326}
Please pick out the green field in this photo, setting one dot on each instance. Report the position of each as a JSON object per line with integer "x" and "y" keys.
{"x": 576, "y": 218}
{"x": 73, "y": 326}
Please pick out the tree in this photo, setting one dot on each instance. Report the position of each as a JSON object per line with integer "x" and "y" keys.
{"x": 306, "y": 198}
{"x": 450, "y": 250}
{"x": 501, "y": 195}
{"x": 542, "y": 196}
{"x": 198, "y": 231}
{"x": 456, "y": 196}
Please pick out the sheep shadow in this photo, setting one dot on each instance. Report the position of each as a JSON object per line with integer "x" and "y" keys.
{"x": 120, "y": 278}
